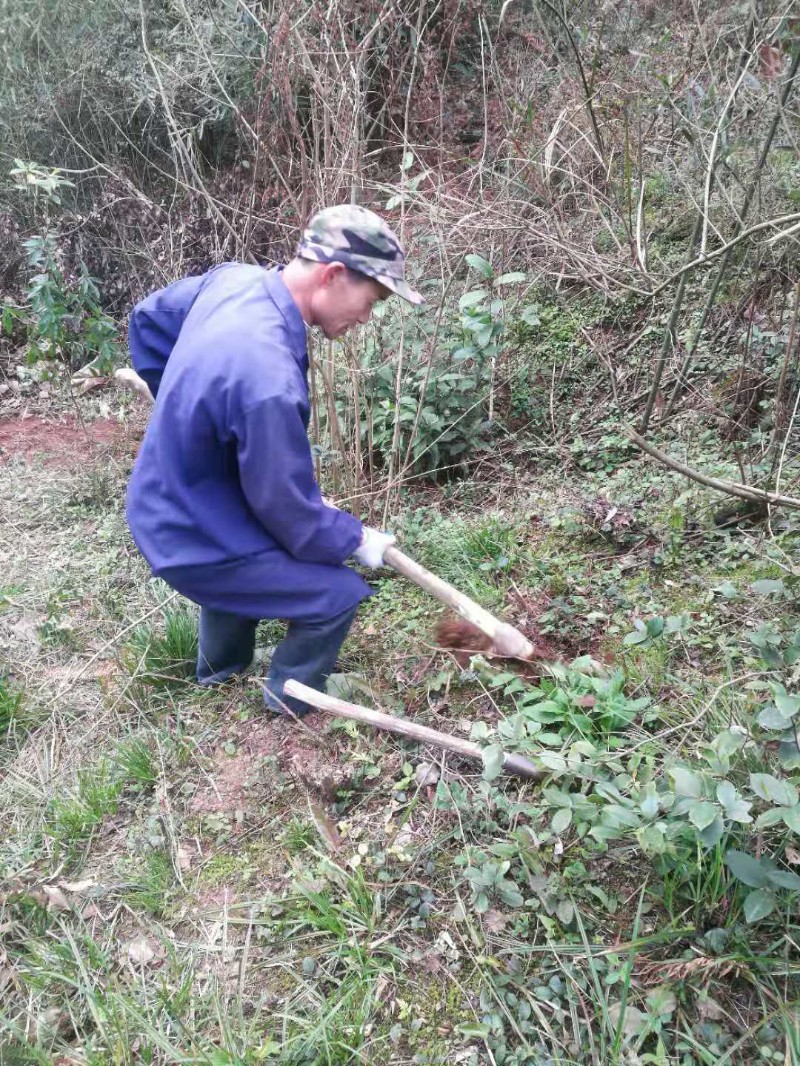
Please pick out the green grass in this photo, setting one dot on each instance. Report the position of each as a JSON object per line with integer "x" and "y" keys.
{"x": 10, "y": 703}
{"x": 153, "y": 878}
{"x": 165, "y": 655}
{"x": 74, "y": 816}
{"x": 136, "y": 761}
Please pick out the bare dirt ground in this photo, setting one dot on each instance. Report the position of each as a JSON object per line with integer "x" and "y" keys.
{"x": 66, "y": 443}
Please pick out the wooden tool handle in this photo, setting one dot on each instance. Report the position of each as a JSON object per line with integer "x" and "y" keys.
{"x": 516, "y": 764}
{"x": 506, "y": 639}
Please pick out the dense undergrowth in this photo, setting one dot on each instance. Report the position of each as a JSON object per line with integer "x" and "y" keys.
{"x": 601, "y": 206}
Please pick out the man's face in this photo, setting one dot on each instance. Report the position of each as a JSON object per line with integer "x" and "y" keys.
{"x": 343, "y": 301}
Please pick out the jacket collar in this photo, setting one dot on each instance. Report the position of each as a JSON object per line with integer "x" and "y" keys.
{"x": 291, "y": 315}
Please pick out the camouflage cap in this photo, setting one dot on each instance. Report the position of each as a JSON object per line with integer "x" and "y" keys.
{"x": 362, "y": 241}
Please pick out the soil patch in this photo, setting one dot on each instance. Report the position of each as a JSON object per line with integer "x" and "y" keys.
{"x": 234, "y": 781}
{"x": 62, "y": 444}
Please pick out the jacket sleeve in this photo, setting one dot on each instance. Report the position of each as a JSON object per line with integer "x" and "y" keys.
{"x": 154, "y": 326}
{"x": 276, "y": 471}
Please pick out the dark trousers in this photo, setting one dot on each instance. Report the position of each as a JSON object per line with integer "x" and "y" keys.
{"x": 307, "y": 653}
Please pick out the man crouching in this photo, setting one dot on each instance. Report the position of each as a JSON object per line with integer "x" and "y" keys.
{"x": 222, "y": 501}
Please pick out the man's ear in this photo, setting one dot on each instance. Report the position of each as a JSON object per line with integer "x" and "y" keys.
{"x": 331, "y": 273}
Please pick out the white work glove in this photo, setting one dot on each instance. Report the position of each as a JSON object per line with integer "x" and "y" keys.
{"x": 373, "y": 545}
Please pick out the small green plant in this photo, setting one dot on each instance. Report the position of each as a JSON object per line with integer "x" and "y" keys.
{"x": 40, "y": 182}
{"x": 167, "y": 656}
{"x": 10, "y": 702}
{"x": 487, "y": 878}
{"x": 573, "y": 704}
{"x": 76, "y": 815}
{"x": 764, "y": 877}
{"x": 135, "y": 759}
{"x": 152, "y": 882}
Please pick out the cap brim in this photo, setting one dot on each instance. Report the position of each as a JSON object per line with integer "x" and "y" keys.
{"x": 400, "y": 288}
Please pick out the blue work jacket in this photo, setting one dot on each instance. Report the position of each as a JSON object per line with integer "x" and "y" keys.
{"x": 222, "y": 501}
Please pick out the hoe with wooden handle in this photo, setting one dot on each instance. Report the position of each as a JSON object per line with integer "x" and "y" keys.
{"x": 506, "y": 640}
{"x": 512, "y": 763}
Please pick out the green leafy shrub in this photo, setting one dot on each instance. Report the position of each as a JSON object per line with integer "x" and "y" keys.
{"x": 66, "y": 324}
{"x": 446, "y": 402}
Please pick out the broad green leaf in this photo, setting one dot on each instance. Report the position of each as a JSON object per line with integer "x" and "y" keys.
{"x": 604, "y": 833}
{"x": 634, "y": 1022}
{"x": 787, "y": 704}
{"x": 511, "y": 896}
{"x": 771, "y": 718}
{"x": 480, "y": 731}
{"x": 792, "y": 653}
{"x": 747, "y": 869}
{"x": 662, "y": 1001}
{"x": 728, "y": 742}
{"x": 636, "y": 636}
{"x": 492, "y": 762}
{"x": 408, "y": 161}
{"x": 561, "y": 820}
{"x": 477, "y": 262}
{"x": 768, "y": 587}
{"x": 789, "y": 753}
{"x": 649, "y": 805}
{"x": 713, "y": 833}
{"x": 687, "y": 783}
{"x": 702, "y": 813}
{"x": 565, "y": 912}
{"x": 553, "y": 761}
{"x": 726, "y": 794}
{"x": 469, "y": 299}
{"x": 771, "y": 817}
{"x": 740, "y": 812}
{"x": 474, "y": 1029}
{"x": 758, "y": 905}
{"x": 514, "y": 278}
{"x": 785, "y": 879}
{"x": 773, "y": 789}
{"x": 652, "y": 840}
{"x": 791, "y": 818}
{"x": 736, "y": 809}
{"x": 726, "y": 589}
{"x": 772, "y": 657}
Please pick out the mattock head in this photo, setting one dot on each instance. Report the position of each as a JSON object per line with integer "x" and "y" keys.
{"x": 510, "y": 643}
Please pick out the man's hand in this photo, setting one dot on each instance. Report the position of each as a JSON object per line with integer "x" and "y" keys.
{"x": 373, "y": 545}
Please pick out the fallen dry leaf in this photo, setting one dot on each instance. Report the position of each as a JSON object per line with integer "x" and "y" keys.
{"x": 708, "y": 1009}
{"x": 184, "y": 859}
{"x": 325, "y": 827}
{"x": 139, "y": 951}
{"x": 78, "y": 886}
{"x": 56, "y": 900}
{"x": 793, "y": 856}
{"x": 494, "y": 921}
{"x": 426, "y": 773}
{"x": 770, "y": 60}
